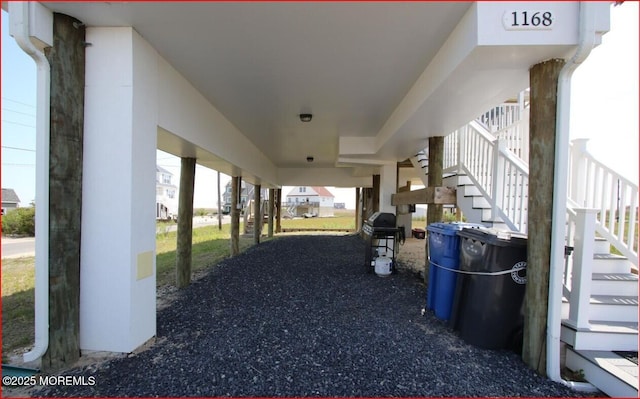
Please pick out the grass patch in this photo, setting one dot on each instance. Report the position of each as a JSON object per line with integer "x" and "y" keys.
{"x": 210, "y": 245}
{"x": 17, "y": 303}
{"x": 336, "y": 222}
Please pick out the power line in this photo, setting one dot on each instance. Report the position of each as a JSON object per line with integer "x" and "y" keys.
{"x": 19, "y": 102}
{"x": 16, "y": 123}
{"x": 18, "y": 112}
{"x": 16, "y": 148}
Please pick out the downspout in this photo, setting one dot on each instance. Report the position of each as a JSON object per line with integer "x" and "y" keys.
{"x": 19, "y": 17}
{"x": 586, "y": 42}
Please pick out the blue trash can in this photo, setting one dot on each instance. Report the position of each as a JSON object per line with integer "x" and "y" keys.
{"x": 444, "y": 256}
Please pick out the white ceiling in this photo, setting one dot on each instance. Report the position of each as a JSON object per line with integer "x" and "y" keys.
{"x": 261, "y": 64}
{"x": 349, "y": 64}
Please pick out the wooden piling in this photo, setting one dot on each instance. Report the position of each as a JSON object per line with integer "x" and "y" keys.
{"x": 279, "y": 210}
{"x": 257, "y": 214}
{"x": 542, "y": 134}
{"x": 235, "y": 215}
{"x": 434, "y": 179}
{"x": 185, "y": 222}
{"x": 67, "y": 60}
{"x": 375, "y": 194}
{"x": 271, "y": 211}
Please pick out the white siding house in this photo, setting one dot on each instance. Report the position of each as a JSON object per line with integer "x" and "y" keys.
{"x": 303, "y": 194}
{"x": 166, "y": 195}
{"x": 10, "y": 200}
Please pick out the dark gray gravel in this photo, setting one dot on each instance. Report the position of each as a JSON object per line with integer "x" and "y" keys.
{"x": 298, "y": 316}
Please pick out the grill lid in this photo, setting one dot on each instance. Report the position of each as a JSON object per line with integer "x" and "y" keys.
{"x": 382, "y": 219}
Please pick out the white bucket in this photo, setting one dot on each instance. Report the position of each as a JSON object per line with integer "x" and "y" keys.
{"x": 383, "y": 266}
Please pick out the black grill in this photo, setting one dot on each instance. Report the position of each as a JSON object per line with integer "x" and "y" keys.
{"x": 381, "y": 219}
{"x": 381, "y": 233}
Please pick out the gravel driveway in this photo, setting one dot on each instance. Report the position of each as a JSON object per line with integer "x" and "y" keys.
{"x": 298, "y": 316}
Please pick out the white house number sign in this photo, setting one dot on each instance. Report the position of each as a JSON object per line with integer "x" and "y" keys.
{"x": 528, "y": 20}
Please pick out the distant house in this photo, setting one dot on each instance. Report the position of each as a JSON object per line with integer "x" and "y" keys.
{"x": 319, "y": 199}
{"x": 166, "y": 201}
{"x": 10, "y": 200}
{"x": 246, "y": 194}
{"x": 315, "y": 194}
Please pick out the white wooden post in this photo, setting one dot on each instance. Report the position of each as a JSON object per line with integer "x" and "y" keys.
{"x": 578, "y": 172}
{"x": 497, "y": 176}
{"x": 461, "y": 146}
{"x": 582, "y": 267}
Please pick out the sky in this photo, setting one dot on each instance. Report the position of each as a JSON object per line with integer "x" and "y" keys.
{"x": 604, "y": 109}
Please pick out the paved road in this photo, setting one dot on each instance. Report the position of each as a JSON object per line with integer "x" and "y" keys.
{"x": 20, "y": 247}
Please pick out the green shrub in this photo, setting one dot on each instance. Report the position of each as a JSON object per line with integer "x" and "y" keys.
{"x": 449, "y": 217}
{"x": 20, "y": 221}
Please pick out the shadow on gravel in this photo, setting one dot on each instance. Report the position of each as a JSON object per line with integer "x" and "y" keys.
{"x": 299, "y": 316}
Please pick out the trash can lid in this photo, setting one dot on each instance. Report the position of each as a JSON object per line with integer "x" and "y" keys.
{"x": 451, "y": 229}
{"x": 495, "y": 237}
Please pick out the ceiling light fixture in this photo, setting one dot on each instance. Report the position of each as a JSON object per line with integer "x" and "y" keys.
{"x": 309, "y": 159}
{"x": 306, "y": 117}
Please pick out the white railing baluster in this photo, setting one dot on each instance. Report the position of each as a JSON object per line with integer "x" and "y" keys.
{"x": 631, "y": 233}
{"x": 620, "y": 212}
{"x": 497, "y": 172}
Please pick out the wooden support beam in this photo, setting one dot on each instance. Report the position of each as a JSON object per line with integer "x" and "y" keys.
{"x": 543, "y": 79}
{"x": 427, "y": 195}
{"x": 219, "y": 205}
{"x": 272, "y": 201}
{"x": 358, "y": 210}
{"x": 257, "y": 214}
{"x": 375, "y": 194}
{"x": 434, "y": 179}
{"x": 67, "y": 60}
{"x": 279, "y": 210}
{"x": 185, "y": 222}
{"x": 235, "y": 215}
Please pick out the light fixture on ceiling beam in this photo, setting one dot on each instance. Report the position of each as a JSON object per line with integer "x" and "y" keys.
{"x": 306, "y": 117}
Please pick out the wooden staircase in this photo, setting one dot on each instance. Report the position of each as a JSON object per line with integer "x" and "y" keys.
{"x": 250, "y": 219}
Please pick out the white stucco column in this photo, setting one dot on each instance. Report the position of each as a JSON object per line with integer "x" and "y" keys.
{"x": 388, "y": 186}
{"x": 118, "y": 276}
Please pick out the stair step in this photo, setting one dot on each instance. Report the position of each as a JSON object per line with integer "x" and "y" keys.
{"x": 614, "y": 283}
{"x": 608, "y": 307}
{"x": 470, "y": 191}
{"x": 480, "y": 202}
{"x": 601, "y": 246}
{"x": 610, "y": 263}
{"x": 609, "y": 372}
{"x": 464, "y": 180}
{"x": 614, "y": 307}
{"x": 601, "y": 335}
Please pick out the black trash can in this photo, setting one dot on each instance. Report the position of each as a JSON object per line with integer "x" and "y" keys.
{"x": 489, "y": 298}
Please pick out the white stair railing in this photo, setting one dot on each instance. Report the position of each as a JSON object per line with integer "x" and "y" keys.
{"x": 500, "y": 176}
{"x": 501, "y": 117}
{"x": 516, "y": 136}
{"x": 600, "y": 200}
{"x": 579, "y": 268}
{"x": 594, "y": 185}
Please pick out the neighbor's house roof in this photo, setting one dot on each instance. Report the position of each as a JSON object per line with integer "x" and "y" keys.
{"x": 319, "y": 192}
{"x": 10, "y": 196}
{"x": 163, "y": 170}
